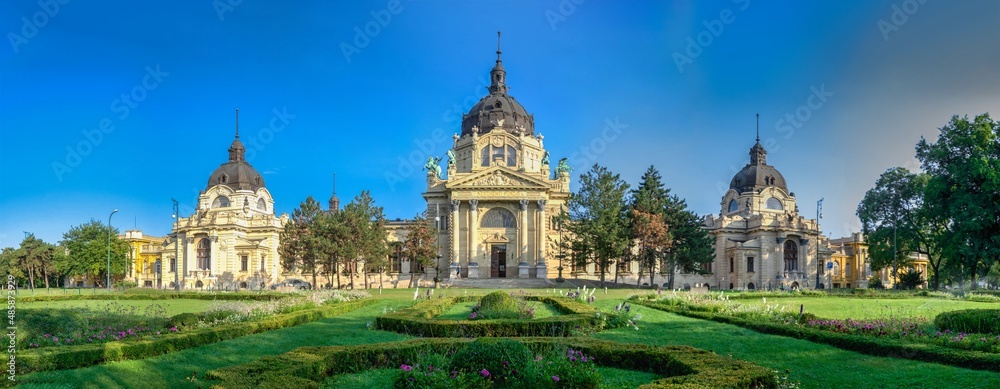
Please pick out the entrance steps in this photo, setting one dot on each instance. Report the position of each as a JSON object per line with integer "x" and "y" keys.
{"x": 499, "y": 283}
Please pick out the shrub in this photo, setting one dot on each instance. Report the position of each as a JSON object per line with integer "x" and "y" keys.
{"x": 52, "y": 321}
{"x": 982, "y": 321}
{"x": 497, "y": 356}
{"x": 184, "y": 320}
{"x": 875, "y": 283}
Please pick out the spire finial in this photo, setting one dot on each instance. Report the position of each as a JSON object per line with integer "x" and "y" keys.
{"x": 758, "y": 127}
{"x": 237, "y": 122}
{"x": 498, "y": 46}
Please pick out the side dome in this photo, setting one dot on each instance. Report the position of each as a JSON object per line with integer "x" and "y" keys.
{"x": 757, "y": 174}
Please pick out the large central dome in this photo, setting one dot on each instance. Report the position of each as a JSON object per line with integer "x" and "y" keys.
{"x": 498, "y": 109}
{"x": 237, "y": 173}
{"x": 757, "y": 174}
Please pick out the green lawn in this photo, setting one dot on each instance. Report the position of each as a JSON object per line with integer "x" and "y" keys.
{"x": 814, "y": 365}
{"x": 855, "y": 308}
{"x": 461, "y": 311}
{"x": 172, "y": 307}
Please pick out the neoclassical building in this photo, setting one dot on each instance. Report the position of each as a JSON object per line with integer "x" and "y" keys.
{"x": 231, "y": 240}
{"x": 761, "y": 240}
{"x": 496, "y": 205}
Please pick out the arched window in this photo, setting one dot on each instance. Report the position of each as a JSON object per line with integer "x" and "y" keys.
{"x": 261, "y": 205}
{"x": 791, "y": 256}
{"x": 733, "y": 206}
{"x": 220, "y": 202}
{"x": 484, "y": 156}
{"x": 773, "y": 203}
{"x": 511, "y": 157}
{"x": 498, "y": 218}
{"x": 751, "y": 286}
{"x": 204, "y": 254}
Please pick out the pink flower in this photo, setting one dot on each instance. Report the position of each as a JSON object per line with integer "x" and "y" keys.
{"x": 405, "y": 367}
{"x": 555, "y": 378}
{"x": 484, "y": 373}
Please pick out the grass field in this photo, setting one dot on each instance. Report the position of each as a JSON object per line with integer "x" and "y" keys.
{"x": 855, "y": 308}
{"x": 172, "y": 307}
{"x": 814, "y": 365}
{"x": 611, "y": 378}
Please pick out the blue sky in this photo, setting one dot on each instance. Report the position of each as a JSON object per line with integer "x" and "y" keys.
{"x": 888, "y": 72}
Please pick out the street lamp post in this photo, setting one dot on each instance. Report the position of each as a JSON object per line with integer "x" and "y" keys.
{"x": 109, "y": 248}
{"x": 561, "y": 255}
{"x": 177, "y": 264}
{"x": 819, "y": 215}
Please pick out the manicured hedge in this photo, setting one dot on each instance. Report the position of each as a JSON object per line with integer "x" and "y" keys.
{"x": 158, "y": 296}
{"x": 681, "y": 366}
{"x": 878, "y": 347}
{"x": 982, "y": 321}
{"x": 72, "y": 357}
{"x": 419, "y": 320}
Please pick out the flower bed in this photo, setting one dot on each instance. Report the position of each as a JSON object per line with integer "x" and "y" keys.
{"x": 874, "y": 337}
{"x": 158, "y": 296}
{"x": 680, "y": 366}
{"x": 76, "y": 356}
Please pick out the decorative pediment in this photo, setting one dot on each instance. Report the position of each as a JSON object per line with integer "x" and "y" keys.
{"x": 499, "y": 177}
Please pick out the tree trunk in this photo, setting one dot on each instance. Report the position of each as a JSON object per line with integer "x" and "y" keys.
{"x": 31, "y": 277}
{"x": 336, "y": 268}
{"x": 652, "y": 272}
{"x": 45, "y": 275}
{"x": 673, "y": 268}
{"x": 603, "y": 269}
{"x": 314, "y": 277}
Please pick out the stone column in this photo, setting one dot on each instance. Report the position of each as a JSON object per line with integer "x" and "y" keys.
{"x": 522, "y": 250}
{"x": 473, "y": 239}
{"x": 453, "y": 232}
{"x": 541, "y": 268}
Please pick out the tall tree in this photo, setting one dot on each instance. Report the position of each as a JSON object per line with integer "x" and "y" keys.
{"x": 964, "y": 190}
{"x": 301, "y": 243}
{"x": 420, "y": 246}
{"x": 36, "y": 257}
{"x": 596, "y": 214}
{"x": 647, "y": 222}
{"x": 691, "y": 246}
{"x": 88, "y": 251}
{"x": 897, "y": 222}
{"x": 366, "y": 224}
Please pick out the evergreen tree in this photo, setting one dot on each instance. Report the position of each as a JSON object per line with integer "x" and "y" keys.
{"x": 302, "y": 244}
{"x": 597, "y": 215}
{"x": 420, "y": 246}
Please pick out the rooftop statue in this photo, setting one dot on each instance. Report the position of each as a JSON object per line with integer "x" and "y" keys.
{"x": 545, "y": 158}
{"x": 451, "y": 158}
{"x": 563, "y": 167}
{"x": 432, "y": 166}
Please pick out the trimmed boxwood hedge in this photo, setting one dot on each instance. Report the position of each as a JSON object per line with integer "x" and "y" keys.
{"x": 158, "y": 296}
{"x": 681, "y": 366}
{"x": 419, "y": 320}
{"x": 892, "y": 348}
{"x": 982, "y": 321}
{"x": 72, "y": 357}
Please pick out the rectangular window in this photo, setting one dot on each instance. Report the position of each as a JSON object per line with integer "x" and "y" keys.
{"x": 750, "y": 264}
{"x": 732, "y": 265}
{"x": 263, "y": 262}
{"x": 244, "y": 263}
{"x": 156, "y": 267}
{"x": 822, "y": 265}
{"x": 847, "y": 270}
{"x": 173, "y": 264}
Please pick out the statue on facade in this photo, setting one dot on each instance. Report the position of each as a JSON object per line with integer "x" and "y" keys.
{"x": 432, "y": 166}
{"x": 451, "y": 158}
{"x": 563, "y": 167}
{"x": 545, "y": 158}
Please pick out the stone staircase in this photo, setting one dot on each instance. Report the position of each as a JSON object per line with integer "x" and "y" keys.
{"x": 498, "y": 283}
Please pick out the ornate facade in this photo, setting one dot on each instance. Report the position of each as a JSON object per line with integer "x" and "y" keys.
{"x": 761, "y": 240}
{"x": 231, "y": 240}
{"x": 496, "y": 206}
